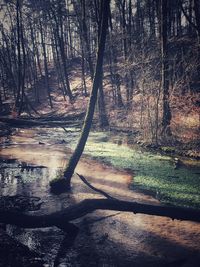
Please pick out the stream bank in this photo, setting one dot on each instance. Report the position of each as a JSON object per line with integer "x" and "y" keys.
{"x": 105, "y": 238}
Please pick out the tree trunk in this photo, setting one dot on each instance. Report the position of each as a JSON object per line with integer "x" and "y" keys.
{"x": 197, "y": 17}
{"x": 45, "y": 65}
{"x": 83, "y": 30}
{"x": 166, "y": 118}
{"x": 103, "y": 119}
{"x": 19, "y": 67}
{"x": 66, "y": 181}
{"x": 24, "y": 67}
{"x": 63, "y": 57}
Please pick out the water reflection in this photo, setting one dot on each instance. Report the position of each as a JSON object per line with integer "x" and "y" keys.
{"x": 28, "y": 179}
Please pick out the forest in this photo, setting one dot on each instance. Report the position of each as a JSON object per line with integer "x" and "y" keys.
{"x": 99, "y": 133}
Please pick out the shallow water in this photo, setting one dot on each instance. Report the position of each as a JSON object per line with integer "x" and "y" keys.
{"x": 32, "y": 157}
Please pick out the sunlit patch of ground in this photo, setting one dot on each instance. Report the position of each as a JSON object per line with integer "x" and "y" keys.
{"x": 186, "y": 126}
{"x": 186, "y": 117}
{"x": 154, "y": 172}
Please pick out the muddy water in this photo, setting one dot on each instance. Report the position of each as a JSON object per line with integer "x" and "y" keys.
{"x": 106, "y": 238}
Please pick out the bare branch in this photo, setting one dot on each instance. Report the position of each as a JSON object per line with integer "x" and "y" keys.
{"x": 83, "y": 179}
{"x": 188, "y": 17}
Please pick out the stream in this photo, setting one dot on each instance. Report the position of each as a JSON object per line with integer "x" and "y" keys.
{"x": 30, "y": 158}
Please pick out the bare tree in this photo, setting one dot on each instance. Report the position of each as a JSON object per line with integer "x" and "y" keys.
{"x": 66, "y": 181}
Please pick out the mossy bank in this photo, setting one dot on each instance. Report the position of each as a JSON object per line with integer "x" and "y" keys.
{"x": 171, "y": 184}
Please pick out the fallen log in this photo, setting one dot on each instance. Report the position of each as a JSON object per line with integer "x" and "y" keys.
{"x": 61, "y": 219}
{"x": 13, "y": 122}
{"x": 77, "y": 116}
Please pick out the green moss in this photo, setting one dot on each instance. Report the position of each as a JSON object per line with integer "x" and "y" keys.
{"x": 150, "y": 171}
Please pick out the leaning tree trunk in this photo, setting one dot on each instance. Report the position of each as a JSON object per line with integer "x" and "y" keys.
{"x": 64, "y": 183}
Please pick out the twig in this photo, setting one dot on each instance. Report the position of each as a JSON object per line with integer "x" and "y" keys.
{"x": 83, "y": 179}
{"x": 64, "y": 129}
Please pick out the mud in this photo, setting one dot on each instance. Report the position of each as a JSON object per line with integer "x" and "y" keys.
{"x": 105, "y": 238}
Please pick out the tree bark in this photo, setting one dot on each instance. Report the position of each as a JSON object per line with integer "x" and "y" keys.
{"x": 61, "y": 219}
{"x": 19, "y": 60}
{"x": 166, "y": 118}
{"x": 66, "y": 181}
{"x": 45, "y": 64}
